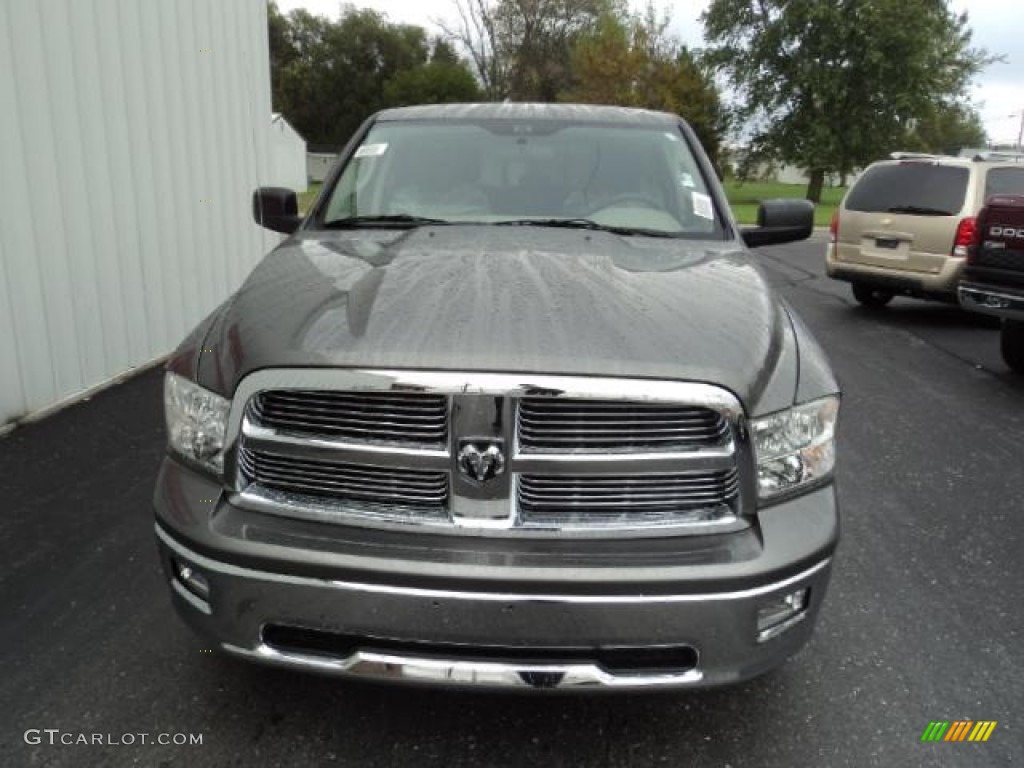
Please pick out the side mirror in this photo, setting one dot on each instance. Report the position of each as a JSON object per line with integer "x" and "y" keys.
{"x": 780, "y": 221}
{"x": 276, "y": 208}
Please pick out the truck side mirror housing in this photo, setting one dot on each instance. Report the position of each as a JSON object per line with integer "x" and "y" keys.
{"x": 277, "y": 209}
{"x": 780, "y": 221}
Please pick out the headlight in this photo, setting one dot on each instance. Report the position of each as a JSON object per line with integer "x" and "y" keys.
{"x": 196, "y": 422}
{"x": 796, "y": 446}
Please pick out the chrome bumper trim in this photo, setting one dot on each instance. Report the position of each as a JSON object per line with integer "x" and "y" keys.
{"x": 214, "y": 566}
{"x": 387, "y": 666}
{"x": 991, "y": 302}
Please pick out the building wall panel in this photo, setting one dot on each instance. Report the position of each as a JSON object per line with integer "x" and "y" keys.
{"x": 131, "y": 138}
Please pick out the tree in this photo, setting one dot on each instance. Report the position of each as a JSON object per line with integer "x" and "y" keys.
{"x": 444, "y": 79}
{"x": 631, "y": 60}
{"x": 831, "y": 86}
{"x": 477, "y": 33}
{"x": 328, "y": 76}
{"x": 946, "y": 129}
{"x": 521, "y": 49}
{"x": 540, "y": 35}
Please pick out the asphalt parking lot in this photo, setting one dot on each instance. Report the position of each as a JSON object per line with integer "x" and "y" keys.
{"x": 923, "y": 621}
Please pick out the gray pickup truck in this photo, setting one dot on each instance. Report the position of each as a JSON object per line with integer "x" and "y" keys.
{"x": 512, "y": 406}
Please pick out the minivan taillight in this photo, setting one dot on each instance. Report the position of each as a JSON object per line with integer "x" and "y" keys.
{"x": 965, "y": 234}
{"x": 979, "y": 228}
{"x": 833, "y": 229}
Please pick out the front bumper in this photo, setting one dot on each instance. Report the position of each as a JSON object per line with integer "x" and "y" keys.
{"x": 478, "y": 617}
{"x": 989, "y": 300}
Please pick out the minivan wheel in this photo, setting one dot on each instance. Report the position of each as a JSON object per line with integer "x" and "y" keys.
{"x": 1012, "y": 343}
{"x": 870, "y": 296}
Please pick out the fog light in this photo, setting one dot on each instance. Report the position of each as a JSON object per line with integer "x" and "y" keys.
{"x": 780, "y": 614}
{"x": 193, "y": 580}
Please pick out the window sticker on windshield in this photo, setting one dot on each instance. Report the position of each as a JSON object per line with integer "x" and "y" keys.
{"x": 371, "y": 150}
{"x": 686, "y": 180}
{"x": 702, "y": 206}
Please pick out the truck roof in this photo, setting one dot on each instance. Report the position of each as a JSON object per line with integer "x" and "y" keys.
{"x": 579, "y": 113}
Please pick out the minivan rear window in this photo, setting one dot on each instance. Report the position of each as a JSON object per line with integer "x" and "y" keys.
{"x": 914, "y": 188}
{"x": 1004, "y": 181}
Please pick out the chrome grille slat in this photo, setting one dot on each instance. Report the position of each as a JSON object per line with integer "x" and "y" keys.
{"x": 591, "y": 495}
{"x": 361, "y": 411}
{"x": 646, "y": 482}
{"x": 661, "y": 498}
{"x": 713, "y": 492}
{"x": 348, "y": 479}
{"x": 344, "y": 493}
{"x": 588, "y": 438}
{"x": 316, "y": 427}
{"x": 544, "y": 421}
{"x": 602, "y": 429}
{"x": 339, "y": 470}
{"x": 334, "y": 470}
{"x": 575, "y": 425}
{"x": 348, "y": 482}
{"x": 402, "y": 401}
{"x": 412, "y": 419}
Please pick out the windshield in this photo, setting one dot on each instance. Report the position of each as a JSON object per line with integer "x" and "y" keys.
{"x": 505, "y": 171}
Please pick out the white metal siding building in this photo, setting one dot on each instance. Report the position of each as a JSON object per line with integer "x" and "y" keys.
{"x": 287, "y": 155}
{"x": 131, "y": 137}
{"x": 319, "y": 164}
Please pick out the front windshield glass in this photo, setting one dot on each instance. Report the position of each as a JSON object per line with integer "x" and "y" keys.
{"x": 492, "y": 172}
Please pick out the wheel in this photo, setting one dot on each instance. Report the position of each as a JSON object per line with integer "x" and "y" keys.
{"x": 1012, "y": 343}
{"x": 870, "y": 296}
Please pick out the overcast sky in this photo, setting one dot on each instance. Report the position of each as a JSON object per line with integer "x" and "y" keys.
{"x": 998, "y": 26}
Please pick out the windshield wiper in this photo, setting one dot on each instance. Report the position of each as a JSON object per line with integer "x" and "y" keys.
{"x": 919, "y": 210}
{"x": 382, "y": 220}
{"x": 584, "y": 224}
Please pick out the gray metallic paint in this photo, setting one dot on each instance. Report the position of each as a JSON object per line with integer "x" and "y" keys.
{"x": 507, "y": 300}
{"x": 510, "y": 299}
{"x": 790, "y": 536}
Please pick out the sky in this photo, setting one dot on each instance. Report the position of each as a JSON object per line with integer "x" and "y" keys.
{"x": 998, "y": 26}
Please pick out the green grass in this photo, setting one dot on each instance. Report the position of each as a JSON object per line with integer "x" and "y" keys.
{"x": 745, "y": 196}
{"x": 306, "y": 198}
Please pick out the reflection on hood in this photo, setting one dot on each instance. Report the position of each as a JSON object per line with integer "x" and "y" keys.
{"x": 508, "y": 299}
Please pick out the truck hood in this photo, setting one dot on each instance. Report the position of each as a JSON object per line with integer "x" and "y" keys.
{"x": 504, "y": 299}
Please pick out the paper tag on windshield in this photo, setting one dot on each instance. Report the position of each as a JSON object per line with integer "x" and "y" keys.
{"x": 371, "y": 150}
{"x": 702, "y": 206}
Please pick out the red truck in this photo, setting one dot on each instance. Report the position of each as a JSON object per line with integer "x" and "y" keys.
{"x": 993, "y": 281}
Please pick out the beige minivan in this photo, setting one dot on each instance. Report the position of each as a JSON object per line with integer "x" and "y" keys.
{"x": 906, "y": 224}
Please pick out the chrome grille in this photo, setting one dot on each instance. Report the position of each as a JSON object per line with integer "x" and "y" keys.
{"x": 408, "y": 419}
{"x": 380, "y": 448}
{"x": 557, "y": 425}
{"x": 391, "y": 487}
{"x": 612, "y": 499}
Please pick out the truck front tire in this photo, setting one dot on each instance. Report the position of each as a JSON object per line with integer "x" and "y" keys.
{"x": 1012, "y": 344}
